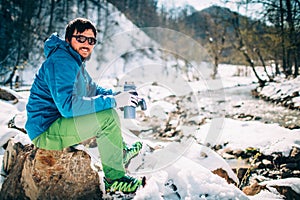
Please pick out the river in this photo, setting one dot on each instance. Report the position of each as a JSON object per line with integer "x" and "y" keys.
{"x": 238, "y": 103}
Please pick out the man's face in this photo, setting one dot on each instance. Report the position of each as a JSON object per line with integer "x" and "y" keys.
{"x": 84, "y": 49}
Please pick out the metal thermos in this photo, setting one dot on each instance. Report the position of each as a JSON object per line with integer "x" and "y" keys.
{"x": 129, "y": 111}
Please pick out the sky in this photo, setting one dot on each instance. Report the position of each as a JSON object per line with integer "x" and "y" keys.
{"x": 201, "y": 4}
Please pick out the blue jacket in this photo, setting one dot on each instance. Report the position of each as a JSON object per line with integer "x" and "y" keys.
{"x": 62, "y": 88}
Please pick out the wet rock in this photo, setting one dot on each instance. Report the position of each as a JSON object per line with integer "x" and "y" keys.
{"x": 42, "y": 174}
{"x": 245, "y": 117}
{"x": 295, "y": 154}
{"x": 287, "y": 192}
{"x": 196, "y": 120}
{"x": 291, "y": 166}
{"x": 267, "y": 163}
{"x": 278, "y": 159}
{"x": 238, "y": 153}
{"x": 260, "y": 165}
{"x": 287, "y": 173}
{"x": 293, "y": 126}
{"x": 171, "y": 130}
{"x": 240, "y": 173}
{"x": 228, "y": 156}
{"x": 217, "y": 147}
{"x": 7, "y": 95}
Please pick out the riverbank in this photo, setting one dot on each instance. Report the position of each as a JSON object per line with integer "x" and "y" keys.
{"x": 285, "y": 92}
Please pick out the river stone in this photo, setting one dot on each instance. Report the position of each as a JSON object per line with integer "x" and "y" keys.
{"x": 222, "y": 173}
{"x": 7, "y": 96}
{"x": 295, "y": 154}
{"x": 253, "y": 189}
{"x": 44, "y": 174}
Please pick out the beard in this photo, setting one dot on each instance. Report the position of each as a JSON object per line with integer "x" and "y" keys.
{"x": 82, "y": 58}
{"x": 87, "y": 58}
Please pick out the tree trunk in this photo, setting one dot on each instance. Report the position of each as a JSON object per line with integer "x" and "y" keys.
{"x": 290, "y": 37}
{"x": 51, "y": 16}
{"x": 283, "y": 38}
{"x": 296, "y": 67}
{"x": 277, "y": 69}
{"x": 215, "y": 68}
{"x": 263, "y": 63}
{"x": 242, "y": 48}
{"x": 85, "y": 8}
{"x": 249, "y": 60}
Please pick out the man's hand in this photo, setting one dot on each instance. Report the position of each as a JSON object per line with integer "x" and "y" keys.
{"x": 126, "y": 99}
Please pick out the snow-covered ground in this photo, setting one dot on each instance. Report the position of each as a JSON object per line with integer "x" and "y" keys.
{"x": 187, "y": 165}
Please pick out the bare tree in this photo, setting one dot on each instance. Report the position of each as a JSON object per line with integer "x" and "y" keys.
{"x": 241, "y": 46}
{"x": 216, "y": 32}
{"x": 284, "y": 15}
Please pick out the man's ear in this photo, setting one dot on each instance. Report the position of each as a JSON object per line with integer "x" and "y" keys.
{"x": 67, "y": 40}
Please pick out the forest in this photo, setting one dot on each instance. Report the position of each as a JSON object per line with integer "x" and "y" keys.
{"x": 270, "y": 40}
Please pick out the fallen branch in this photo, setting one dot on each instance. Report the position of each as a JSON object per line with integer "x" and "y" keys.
{"x": 11, "y": 124}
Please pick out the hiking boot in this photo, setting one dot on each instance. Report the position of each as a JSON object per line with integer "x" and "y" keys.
{"x": 126, "y": 184}
{"x": 131, "y": 152}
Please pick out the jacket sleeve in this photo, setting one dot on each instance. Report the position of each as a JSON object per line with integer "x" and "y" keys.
{"x": 98, "y": 89}
{"x": 71, "y": 97}
{"x": 103, "y": 91}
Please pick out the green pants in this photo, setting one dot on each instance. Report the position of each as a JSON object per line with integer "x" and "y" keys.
{"x": 105, "y": 125}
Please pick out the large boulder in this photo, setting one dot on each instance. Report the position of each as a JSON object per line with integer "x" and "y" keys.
{"x": 42, "y": 174}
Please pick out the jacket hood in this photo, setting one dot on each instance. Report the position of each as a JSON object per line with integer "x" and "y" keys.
{"x": 54, "y": 42}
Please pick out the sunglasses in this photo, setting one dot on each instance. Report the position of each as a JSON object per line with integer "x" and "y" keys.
{"x": 82, "y": 39}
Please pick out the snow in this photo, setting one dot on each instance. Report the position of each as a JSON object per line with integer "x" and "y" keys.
{"x": 188, "y": 165}
{"x": 282, "y": 89}
{"x": 254, "y": 134}
{"x": 192, "y": 181}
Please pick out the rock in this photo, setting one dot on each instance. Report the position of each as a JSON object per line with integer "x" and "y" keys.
{"x": 228, "y": 156}
{"x": 238, "y": 153}
{"x": 284, "y": 93}
{"x": 10, "y": 155}
{"x": 44, "y": 174}
{"x": 222, "y": 173}
{"x": 260, "y": 165}
{"x": 240, "y": 173}
{"x": 291, "y": 166}
{"x": 295, "y": 154}
{"x": 12, "y": 187}
{"x": 268, "y": 164}
{"x": 287, "y": 192}
{"x": 6, "y": 95}
{"x": 253, "y": 189}
{"x": 278, "y": 159}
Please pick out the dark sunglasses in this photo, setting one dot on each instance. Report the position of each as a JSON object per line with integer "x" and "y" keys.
{"x": 82, "y": 39}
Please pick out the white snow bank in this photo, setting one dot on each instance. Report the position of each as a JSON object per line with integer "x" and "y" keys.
{"x": 294, "y": 183}
{"x": 268, "y": 138}
{"x": 183, "y": 165}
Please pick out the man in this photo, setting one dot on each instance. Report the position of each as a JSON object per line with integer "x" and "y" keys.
{"x": 66, "y": 107}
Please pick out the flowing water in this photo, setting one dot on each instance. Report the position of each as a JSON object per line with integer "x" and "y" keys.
{"x": 238, "y": 103}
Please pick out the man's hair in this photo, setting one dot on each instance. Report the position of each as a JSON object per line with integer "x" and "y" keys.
{"x": 80, "y": 25}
